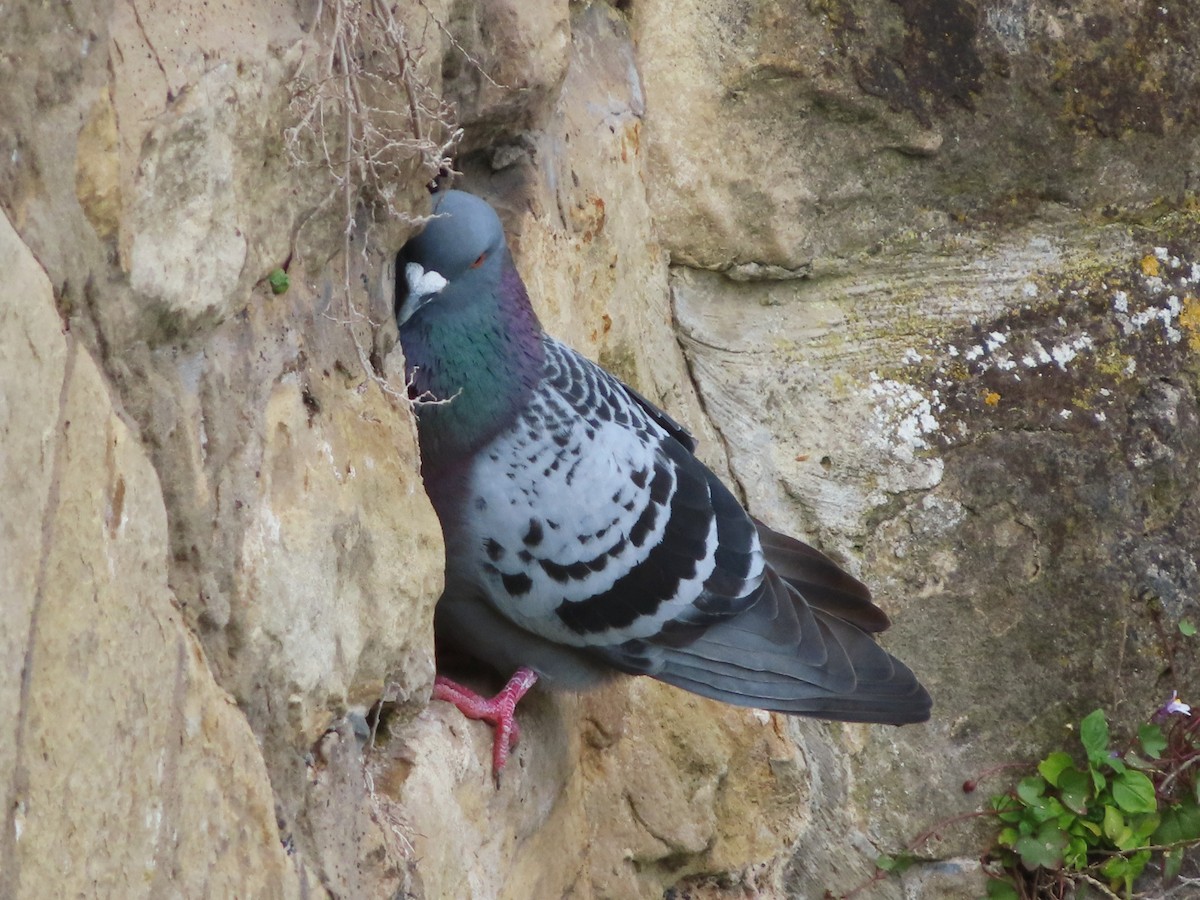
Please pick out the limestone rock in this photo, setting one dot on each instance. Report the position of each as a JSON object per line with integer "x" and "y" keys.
{"x": 503, "y": 63}
{"x": 783, "y": 133}
{"x": 300, "y": 550}
{"x": 128, "y": 770}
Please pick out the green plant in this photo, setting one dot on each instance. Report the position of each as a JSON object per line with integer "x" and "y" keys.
{"x": 279, "y": 281}
{"x": 1101, "y": 821}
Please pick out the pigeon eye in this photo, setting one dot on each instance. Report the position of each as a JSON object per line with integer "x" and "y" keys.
{"x": 479, "y": 262}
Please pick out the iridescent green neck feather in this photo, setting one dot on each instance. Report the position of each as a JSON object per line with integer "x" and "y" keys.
{"x": 472, "y": 361}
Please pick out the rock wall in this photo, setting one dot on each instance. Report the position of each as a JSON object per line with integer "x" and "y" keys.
{"x": 922, "y": 279}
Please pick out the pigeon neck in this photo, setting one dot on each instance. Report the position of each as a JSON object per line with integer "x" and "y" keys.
{"x": 473, "y": 361}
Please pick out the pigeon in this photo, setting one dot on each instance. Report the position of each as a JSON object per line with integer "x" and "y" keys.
{"x": 584, "y": 538}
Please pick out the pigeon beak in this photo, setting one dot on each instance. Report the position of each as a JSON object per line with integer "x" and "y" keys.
{"x": 422, "y": 287}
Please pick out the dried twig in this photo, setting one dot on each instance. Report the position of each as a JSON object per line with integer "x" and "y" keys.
{"x": 354, "y": 127}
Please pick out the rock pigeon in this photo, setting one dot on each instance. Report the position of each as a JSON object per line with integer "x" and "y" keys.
{"x": 583, "y": 537}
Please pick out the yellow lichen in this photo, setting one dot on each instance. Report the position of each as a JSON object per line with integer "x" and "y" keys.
{"x": 1150, "y": 266}
{"x": 1112, "y": 362}
{"x": 1189, "y": 318}
{"x": 957, "y": 371}
{"x": 991, "y": 398}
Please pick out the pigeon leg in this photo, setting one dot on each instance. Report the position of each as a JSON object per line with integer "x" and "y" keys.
{"x": 498, "y": 710}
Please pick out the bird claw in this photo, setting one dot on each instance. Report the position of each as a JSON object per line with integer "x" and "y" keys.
{"x": 498, "y": 710}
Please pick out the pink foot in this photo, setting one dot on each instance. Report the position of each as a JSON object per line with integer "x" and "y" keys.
{"x": 498, "y": 710}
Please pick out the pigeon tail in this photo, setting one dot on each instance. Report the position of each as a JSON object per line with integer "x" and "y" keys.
{"x": 802, "y": 647}
{"x": 832, "y": 671}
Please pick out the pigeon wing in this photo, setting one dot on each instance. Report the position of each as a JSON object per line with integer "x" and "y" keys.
{"x": 800, "y": 642}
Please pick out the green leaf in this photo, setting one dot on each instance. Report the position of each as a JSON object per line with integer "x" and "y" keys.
{"x": 1116, "y": 869}
{"x": 1030, "y": 789}
{"x": 1115, "y": 828}
{"x": 1075, "y": 856}
{"x": 1044, "y": 849}
{"x": 1008, "y": 808}
{"x": 279, "y": 281}
{"x": 1137, "y": 761}
{"x": 1129, "y": 840}
{"x": 1046, "y": 809}
{"x": 1134, "y": 792}
{"x": 1004, "y": 802}
{"x": 1074, "y": 787}
{"x": 1087, "y": 825}
{"x": 1052, "y": 808}
{"x": 1137, "y": 862}
{"x": 1054, "y": 765}
{"x": 1007, "y": 837}
{"x": 897, "y": 864}
{"x": 1186, "y": 628}
{"x": 1179, "y": 823}
{"x": 1001, "y": 890}
{"x": 1066, "y": 821}
{"x": 1093, "y": 733}
{"x": 1172, "y": 863}
{"x": 1153, "y": 740}
{"x": 1144, "y": 827}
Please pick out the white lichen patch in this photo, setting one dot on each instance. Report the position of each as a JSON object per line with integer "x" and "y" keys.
{"x": 1134, "y": 313}
{"x": 1164, "y": 255}
{"x": 903, "y": 417}
{"x": 1018, "y": 363}
{"x": 1065, "y": 352}
{"x": 1166, "y": 315}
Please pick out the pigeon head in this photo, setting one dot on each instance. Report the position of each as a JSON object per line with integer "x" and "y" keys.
{"x": 459, "y": 254}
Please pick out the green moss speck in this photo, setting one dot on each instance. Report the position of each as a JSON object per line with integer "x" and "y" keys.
{"x": 279, "y": 281}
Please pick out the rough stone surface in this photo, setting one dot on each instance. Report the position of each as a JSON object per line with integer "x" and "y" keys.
{"x": 299, "y": 548}
{"x": 922, "y": 278}
{"x": 127, "y": 770}
{"x": 783, "y": 133}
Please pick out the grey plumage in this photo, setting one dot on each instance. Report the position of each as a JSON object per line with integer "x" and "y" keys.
{"x": 584, "y": 538}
